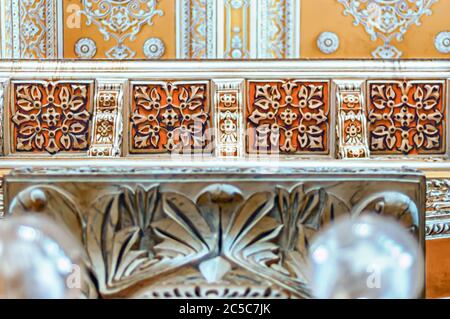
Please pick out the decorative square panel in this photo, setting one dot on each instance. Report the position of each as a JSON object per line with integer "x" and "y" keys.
{"x": 50, "y": 116}
{"x": 289, "y": 117}
{"x": 170, "y": 117}
{"x": 407, "y": 117}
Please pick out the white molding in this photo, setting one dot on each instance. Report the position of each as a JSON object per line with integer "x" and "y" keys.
{"x": 15, "y": 29}
{"x": 2, "y": 29}
{"x": 180, "y": 31}
{"x": 221, "y": 27}
{"x": 253, "y": 34}
{"x": 304, "y": 68}
{"x": 60, "y": 29}
{"x": 212, "y": 29}
{"x": 296, "y": 45}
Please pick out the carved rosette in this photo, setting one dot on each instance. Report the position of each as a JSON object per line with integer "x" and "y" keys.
{"x": 50, "y": 117}
{"x": 407, "y": 117}
{"x": 170, "y": 117}
{"x": 351, "y": 121}
{"x": 228, "y": 116}
{"x": 289, "y": 117}
{"x": 107, "y": 120}
{"x": 193, "y": 232}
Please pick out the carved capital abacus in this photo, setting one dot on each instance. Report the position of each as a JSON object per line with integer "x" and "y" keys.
{"x": 208, "y": 232}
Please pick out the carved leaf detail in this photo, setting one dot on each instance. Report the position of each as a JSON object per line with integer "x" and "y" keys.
{"x": 138, "y": 233}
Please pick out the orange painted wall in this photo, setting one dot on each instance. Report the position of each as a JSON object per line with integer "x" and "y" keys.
{"x": 318, "y": 16}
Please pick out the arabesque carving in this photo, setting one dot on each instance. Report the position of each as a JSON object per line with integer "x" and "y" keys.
{"x": 289, "y": 117}
{"x": 407, "y": 117}
{"x": 50, "y": 116}
{"x": 168, "y": 117}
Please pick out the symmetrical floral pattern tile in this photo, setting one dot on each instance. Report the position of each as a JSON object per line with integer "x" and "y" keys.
{"x": 288, "y": 117}
{"x": 51, "y": 116}
{"x": 169, "y": 117}
{"x": 406, "y": 117}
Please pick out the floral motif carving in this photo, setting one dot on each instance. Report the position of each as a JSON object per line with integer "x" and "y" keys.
{"x": 288, "y": 117}
{"x": 387, "y": 20}
{"x": 121, "y": 21}
{"x": 406, "y": 117}
{"x": 51, "y": 116}
{"x": 170, "y": 117}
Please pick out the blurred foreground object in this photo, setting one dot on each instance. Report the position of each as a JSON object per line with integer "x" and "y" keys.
{"x": 366, "y": 257}
{"x": 39, "y": 259}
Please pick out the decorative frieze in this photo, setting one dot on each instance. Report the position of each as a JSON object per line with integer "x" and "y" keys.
{"x": 278, "y": 29}
{"x": 228, "y": 116}
{"x": 170, "y": 117}
{"x": 196, "y": 29}
{"x": 288, "y": 117}
{"x": 234, "y": 117}
{"x": 50, "y": 116}
{"x": 107, "y": 120}
{"x": 32, "y": 29}
{"x": 351, "y": 120}
{"x": 407, "y": 117}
